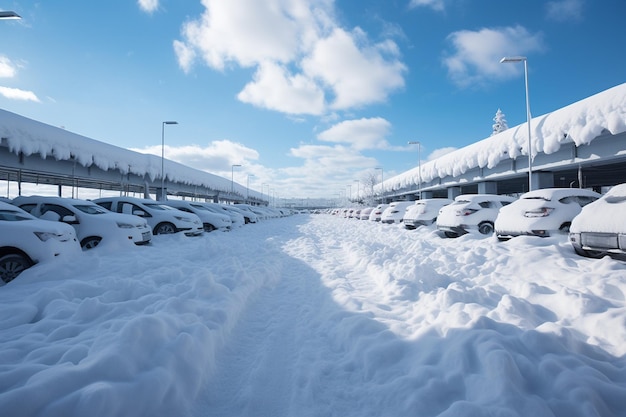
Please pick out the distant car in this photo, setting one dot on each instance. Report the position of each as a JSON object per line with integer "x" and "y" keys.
{"x": 210, "y": 219}
{"x": 248, "y": 215}
{"x": 162, "y": 218}
{"x": 92, "y": 223}
{"x": 542, "y": 212}
{"x": 469, "y": 212}
{"x": 395, "y": 212}
{"x": 423, "y": 212}
{"x": 376, "y": 214}
{"x": 26, "y": 240}
{"x": 237, "y": 219}
{"x": 365, "y": 213}
{"x": 600, "y": 228}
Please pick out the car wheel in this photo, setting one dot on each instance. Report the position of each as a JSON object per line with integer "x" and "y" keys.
{"x": 485, "y": 228}
{"x": 564, "y": 228}
{"x": 450, "y": 234}
{"x": 13, "y": 264}
{"x": 90, "y": 242}
{"x": 164, "y": 229}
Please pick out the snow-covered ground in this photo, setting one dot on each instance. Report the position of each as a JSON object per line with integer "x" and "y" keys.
{"x": 315, "y": 315}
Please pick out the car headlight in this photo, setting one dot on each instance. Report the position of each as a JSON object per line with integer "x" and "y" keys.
{"x": 45, "y": 236}
{"x": 125, "y": 225}
{"x": 540, "y": 212}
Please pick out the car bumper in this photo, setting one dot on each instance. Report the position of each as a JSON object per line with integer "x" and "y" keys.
{"x": 607, "y": 242}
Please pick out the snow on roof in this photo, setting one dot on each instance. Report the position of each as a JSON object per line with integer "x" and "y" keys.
{"x": 580, "y": 122}
{"x": 27, "y": 136}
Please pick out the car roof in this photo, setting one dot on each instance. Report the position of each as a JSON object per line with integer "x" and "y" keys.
{"x": 557, "y": 193}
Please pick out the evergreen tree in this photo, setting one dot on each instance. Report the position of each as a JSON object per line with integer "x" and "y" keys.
{"x": 500, "y": 123}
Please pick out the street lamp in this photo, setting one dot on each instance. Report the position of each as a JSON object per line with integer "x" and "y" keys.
{"x": 248, "y": 186}
{"x": 419, "y": 166}
{"x": 163, "y": 193}
{"x": 232, "y": 176}
{"x": 515, "y": 59}
{"x": 382, "y": 185}
{"x": 9, "y": 15}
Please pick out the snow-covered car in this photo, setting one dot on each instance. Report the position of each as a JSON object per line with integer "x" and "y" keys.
{"x": 395, "y": 212}
{"x": 600, "y": 227}
{"x": 471, "y": 212}
{"x": 211, "y": 220}
{"x": 365, "y": 213}
{"x": 162, "y": 218}
{"x": 542, "y": 212}
{"x": 248, "y": 216}
{"x": 377, "y": 212}
{"x": 424, "y": 212}
{"x": 247, "y": 209}
{"x": 92, "y": 223}
{"x": 26, "y": 240}
{"x": 237, "y": 219}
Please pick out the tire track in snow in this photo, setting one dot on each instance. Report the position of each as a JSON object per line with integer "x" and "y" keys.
{"x": 254, "y": 373}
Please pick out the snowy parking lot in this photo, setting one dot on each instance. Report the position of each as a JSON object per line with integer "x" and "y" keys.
{"x": 317, "y": 315}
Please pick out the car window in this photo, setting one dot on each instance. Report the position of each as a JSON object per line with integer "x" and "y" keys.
{"x": 13, "y": 216}
{"x": 60, "y": 210}
{"x": 200, "y": 207}
{"x": 28, "y": 207}
{"x": 105, "y": 204}
{"x": 485, "y": 204}
{"x": 584, "y": 200}
{"x": 90, "y": 208}
{"x": 505, "y": 203}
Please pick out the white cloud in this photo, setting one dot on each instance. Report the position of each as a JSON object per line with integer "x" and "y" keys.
{"x": 565, "y": 10}
{"x": 476, "y": 55}
{"x": 438, "y": 5}
{"x": 359, "y": 134}
{"x": 217, "y": 157}
{"x": 438, "y": 153}
{"x": 358, "y": 73}
{"x": 340, "y": 69}
{"x": 17, "y": 94}
{"x": 273, "y": 88}
{"x": 148, "y": 6}
{"x": 7, "y": 69}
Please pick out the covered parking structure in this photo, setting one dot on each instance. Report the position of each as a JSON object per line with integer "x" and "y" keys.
{"x": 581, "y": 145}
{"x": 36, "y": 153}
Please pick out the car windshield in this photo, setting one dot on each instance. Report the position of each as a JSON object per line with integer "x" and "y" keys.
{"x": 91, "y": 208}
{"x": 159, "y": 206}
{"x": 537, "y": 198}
{"x": 199, "y": 207}
{"x": 13, "y": 216}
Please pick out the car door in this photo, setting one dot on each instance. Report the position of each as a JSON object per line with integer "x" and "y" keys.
{"x": 63, "y": 214}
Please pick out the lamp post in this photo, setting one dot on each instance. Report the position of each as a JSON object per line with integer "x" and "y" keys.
{"x": 419, "y": 167}
{"x": 248, "y": 186}
{"x": 232, "y": 177}
{"x": 163, "y": 196}
{"x": 515, "y": 59}
{"x": 382, "y": 185}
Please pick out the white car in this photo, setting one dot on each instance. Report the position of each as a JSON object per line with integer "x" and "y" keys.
{"x": 600, "y": 228}
{"x": 162, "y": 219}
{"x": 395, "y": 212}
{"x": 211, "y": 220}
{"x": 237, "y": 219}
{"x": 365, "y": 213}
{"x": 542, "y": 212}
{"x": 92, "y": 223}
{"x": 26, "y": 240}
{"x": 248, "y": 216}
{"x": 471, "y": 212}
{"x": 424, "y": 212}
{"x": 376, "y": 214}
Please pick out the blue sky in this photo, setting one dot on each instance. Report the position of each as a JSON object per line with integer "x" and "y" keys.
{"x": 309, "y": 97}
